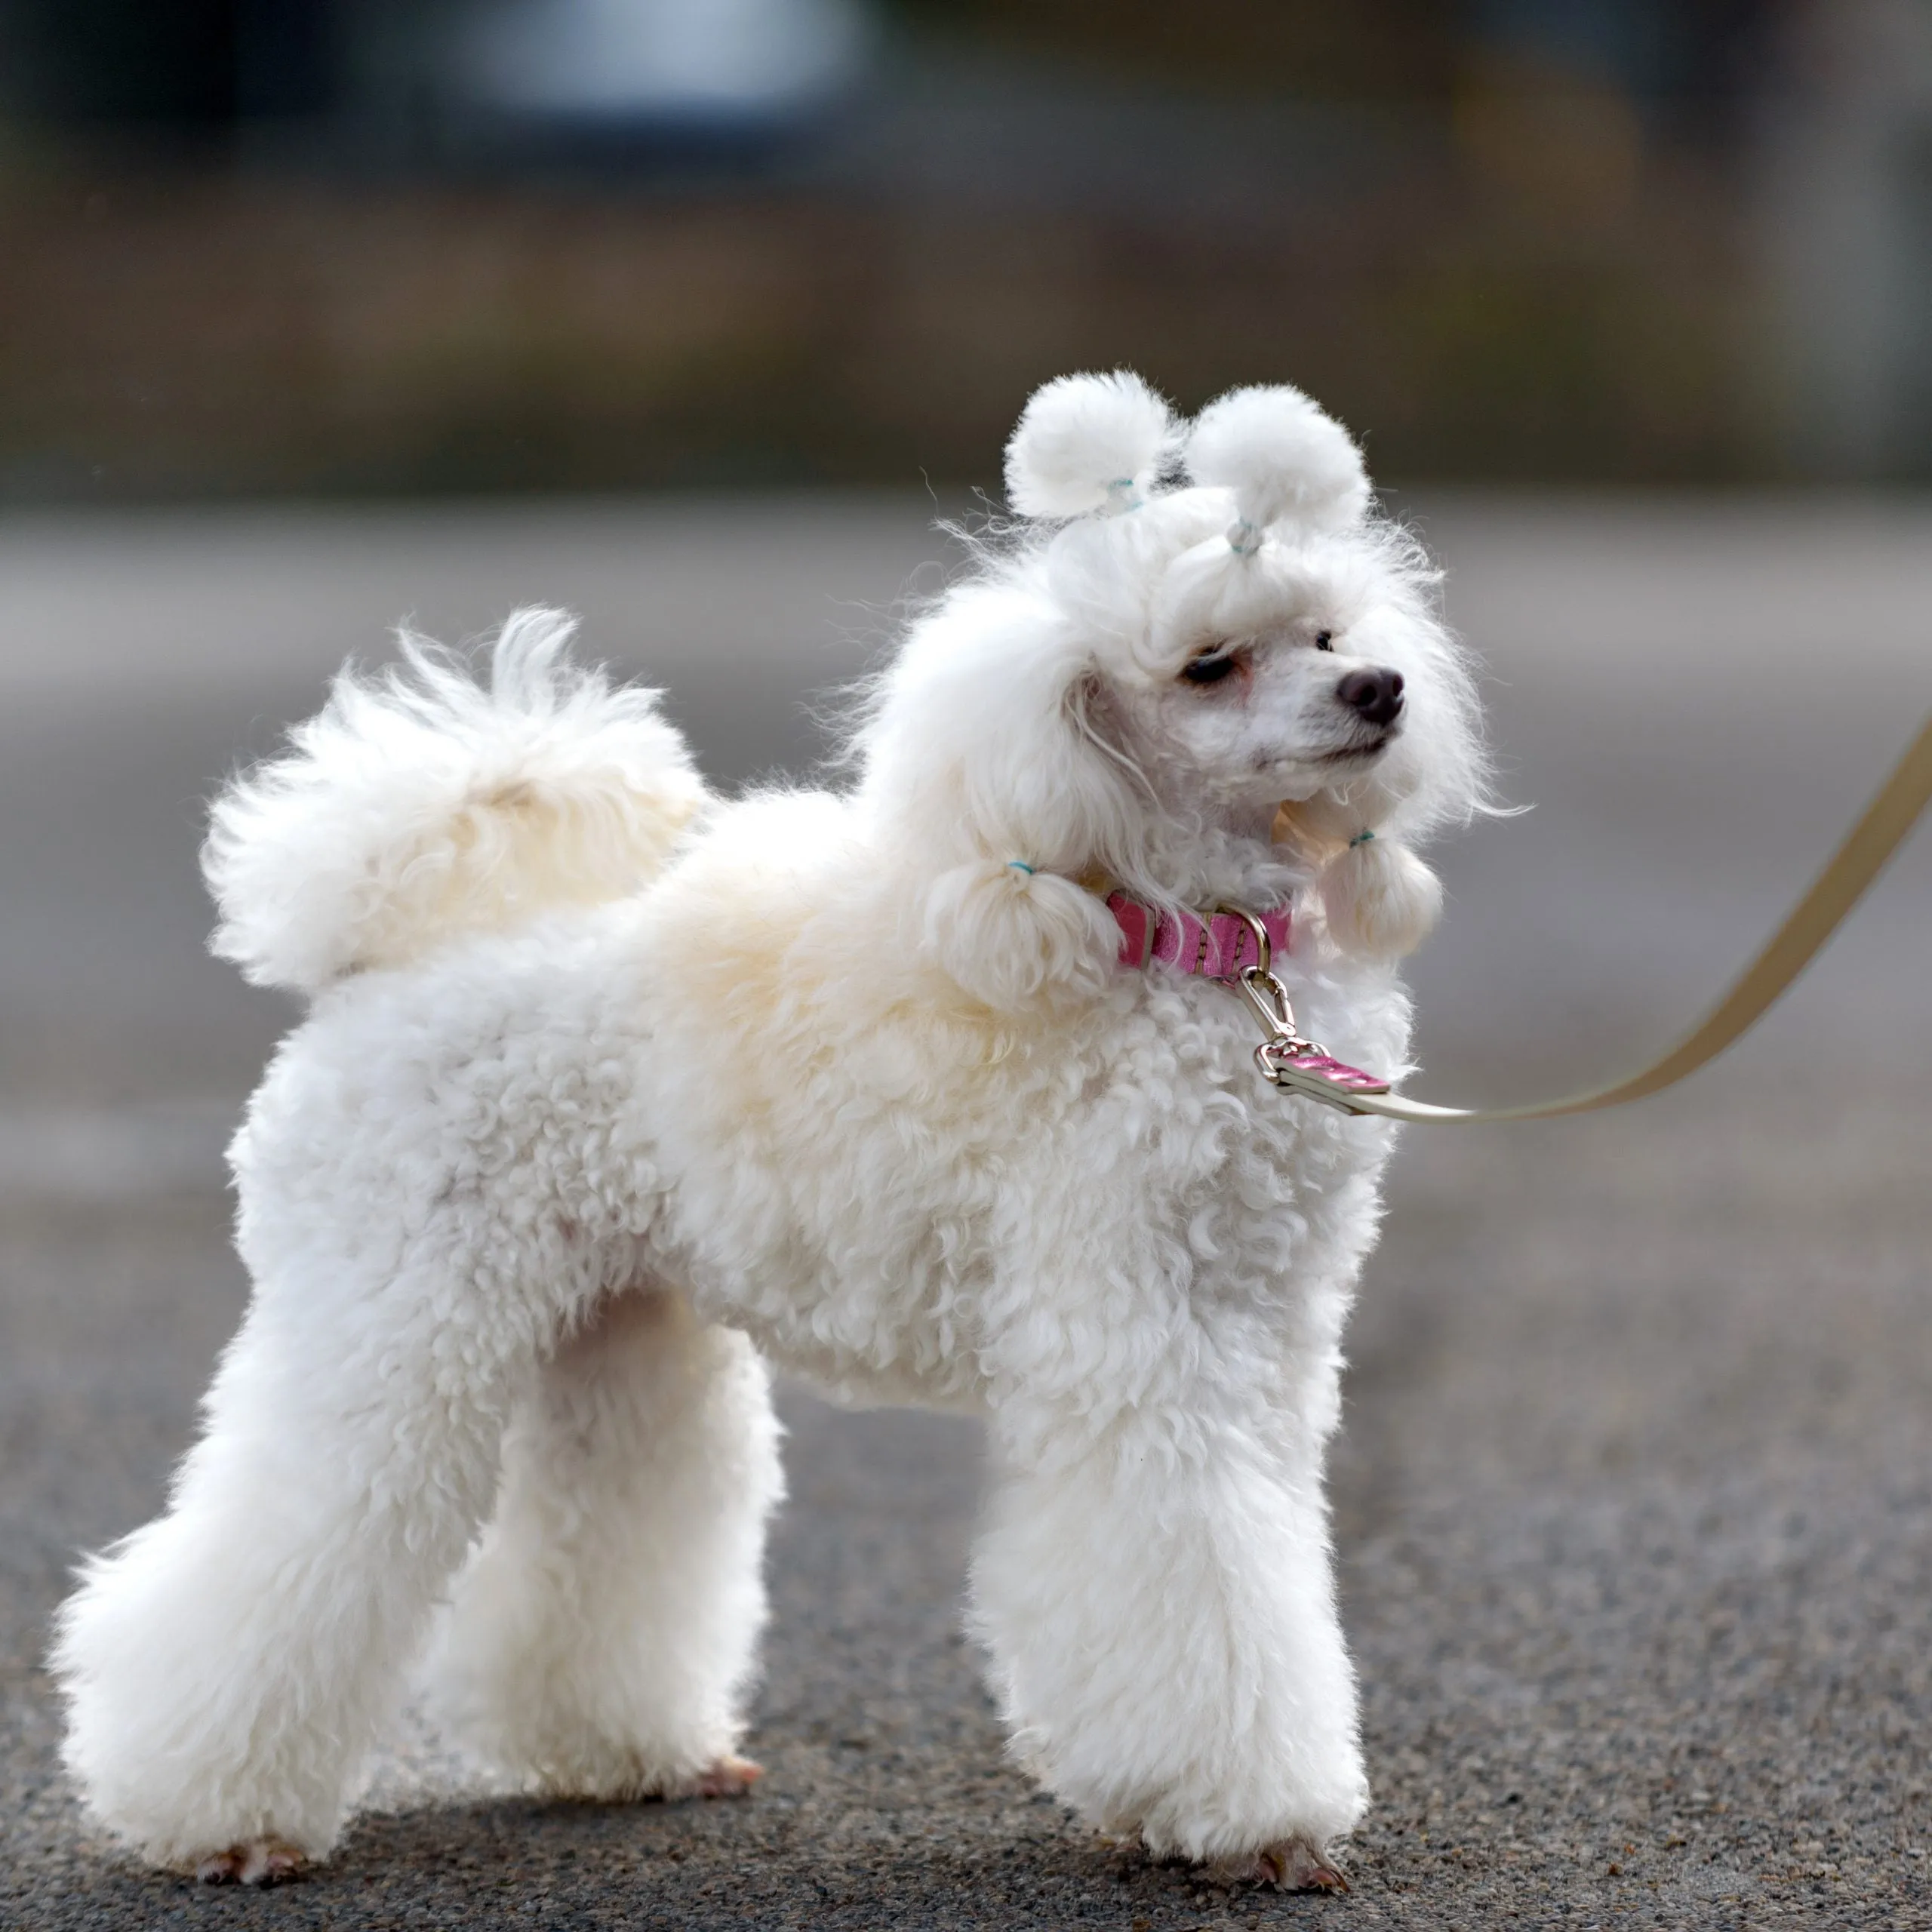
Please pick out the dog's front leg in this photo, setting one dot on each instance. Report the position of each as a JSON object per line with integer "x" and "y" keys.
{"x": 1154, "y": 1583}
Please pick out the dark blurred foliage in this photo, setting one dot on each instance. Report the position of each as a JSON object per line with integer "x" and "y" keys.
{"x": 275, "y": 245}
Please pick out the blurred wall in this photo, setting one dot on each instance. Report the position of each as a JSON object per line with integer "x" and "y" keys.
{"x": 300, "y": 246}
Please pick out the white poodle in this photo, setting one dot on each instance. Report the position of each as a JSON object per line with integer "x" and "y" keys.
{"x": 930, "y": 1090}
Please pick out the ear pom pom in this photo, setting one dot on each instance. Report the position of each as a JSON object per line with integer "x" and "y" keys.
{"x": 1008, "y": 934}
{"x": 1284, "y": 458}
{"x": 1381, "y": 902}
{"x": 1087, "y": 443}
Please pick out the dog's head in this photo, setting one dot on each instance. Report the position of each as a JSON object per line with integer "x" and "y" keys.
{"x": 1200, "y": 626}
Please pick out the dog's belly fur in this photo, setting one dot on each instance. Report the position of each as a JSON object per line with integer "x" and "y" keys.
{"x": 734, "y": 1084}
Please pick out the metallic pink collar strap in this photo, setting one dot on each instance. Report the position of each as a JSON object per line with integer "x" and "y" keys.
{"x": 1219, "y": 946}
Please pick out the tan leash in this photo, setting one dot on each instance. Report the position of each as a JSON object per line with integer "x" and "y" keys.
{"x": 1299, "y": 1065}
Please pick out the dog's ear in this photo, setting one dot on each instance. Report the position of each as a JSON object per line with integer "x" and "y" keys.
{"x": 1007, "y": 934}
{"x": 1286, "y": 460}
{"x": 1088, "y": 443}
{"x": 1001, "y": 791}
{"x": 1379, "y": 900}
{"x": 1034, "y": 794}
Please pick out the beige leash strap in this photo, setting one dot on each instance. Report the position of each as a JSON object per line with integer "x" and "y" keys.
{"x": 1872, "y": 840}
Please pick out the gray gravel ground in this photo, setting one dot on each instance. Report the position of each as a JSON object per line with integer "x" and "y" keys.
{"x": 1634, "y": 1492}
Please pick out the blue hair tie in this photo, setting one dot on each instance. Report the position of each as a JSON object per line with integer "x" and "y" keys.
{"x": 1361, "y": 838}
{"x": 1020, "y": 866}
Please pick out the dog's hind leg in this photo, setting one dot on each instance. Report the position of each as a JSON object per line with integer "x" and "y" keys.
{"x": 228, "y": 1667}
{"x": 604, "y": 1632}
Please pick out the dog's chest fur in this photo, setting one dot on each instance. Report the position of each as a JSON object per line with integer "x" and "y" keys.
{"x": 906, "y": 1199}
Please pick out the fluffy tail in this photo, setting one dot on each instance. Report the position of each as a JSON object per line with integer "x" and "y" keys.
{"x": 420, "y": 803}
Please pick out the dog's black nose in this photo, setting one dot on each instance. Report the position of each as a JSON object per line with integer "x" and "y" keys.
{"x": 1377, "y": 695}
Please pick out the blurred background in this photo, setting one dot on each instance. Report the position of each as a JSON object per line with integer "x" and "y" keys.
{"x": 692, "y": 316}
{"x": 303, "y": 246}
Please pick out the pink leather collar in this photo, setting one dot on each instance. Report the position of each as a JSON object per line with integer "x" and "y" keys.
{"x": 1216, "y": 947}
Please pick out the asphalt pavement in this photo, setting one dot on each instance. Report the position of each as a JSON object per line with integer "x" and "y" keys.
{"x": 1634, "y": 1494}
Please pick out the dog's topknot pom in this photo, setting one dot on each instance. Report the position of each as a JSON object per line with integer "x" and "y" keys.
{"x": 1087, "y": 443}
{"x": 1284, "y": 458}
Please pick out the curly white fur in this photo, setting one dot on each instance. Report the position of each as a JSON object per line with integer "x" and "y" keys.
{"x": 599, "y": 1091}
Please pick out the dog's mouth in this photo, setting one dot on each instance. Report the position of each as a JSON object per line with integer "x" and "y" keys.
{"x": 1363, "y": 752}
{"x": 1352, "y": 754}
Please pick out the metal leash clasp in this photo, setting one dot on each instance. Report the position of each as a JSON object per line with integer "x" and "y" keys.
{"x": 1286, "y": 1058}
{"x": 1282, "y": 1041}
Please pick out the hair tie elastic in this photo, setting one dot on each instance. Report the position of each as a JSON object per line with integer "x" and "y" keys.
{"x": 1020, "y": 866}
{"x": 1361, "y": 838}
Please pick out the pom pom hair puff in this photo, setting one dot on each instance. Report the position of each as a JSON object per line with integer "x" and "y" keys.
{"x": 1098, "y": 442}
{"x": 1378, "y": 900}
{"x": 1284, "y": 458}
{"x": 1087, "y": 443}
{"x": 1381, "y": 902}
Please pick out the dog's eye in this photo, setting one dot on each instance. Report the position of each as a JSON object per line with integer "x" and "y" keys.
{"x": 1209, "y": 669}
{"x": 1324, "y": 640}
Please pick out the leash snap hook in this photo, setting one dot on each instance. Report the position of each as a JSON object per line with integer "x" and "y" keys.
{"x": 1297, "y": 1065}
{"x": 1286, "y": 1058}
{"x": 1269, "y": 998}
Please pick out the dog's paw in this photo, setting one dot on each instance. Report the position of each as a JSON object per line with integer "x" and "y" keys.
{"x": 257, "y": 1862}
{"x": 729, "y": 1777}
{"x": 627, "y": 1781}
{"x": 1293, "y": 1865}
